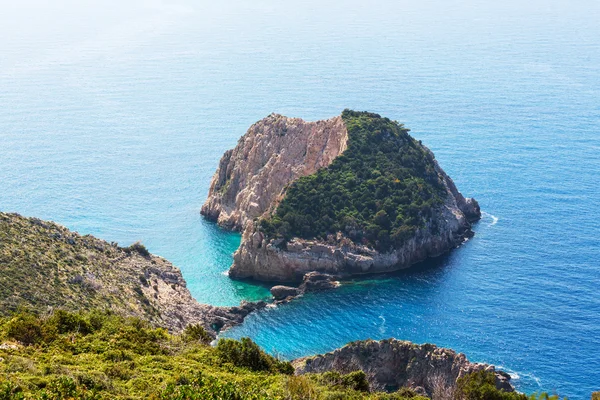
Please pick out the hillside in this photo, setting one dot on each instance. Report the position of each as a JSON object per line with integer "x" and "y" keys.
{"x": 103, "y": 356}
{"x": 44, "y": 266}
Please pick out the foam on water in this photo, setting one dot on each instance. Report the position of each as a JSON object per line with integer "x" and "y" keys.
{"x": 490, "y": 216}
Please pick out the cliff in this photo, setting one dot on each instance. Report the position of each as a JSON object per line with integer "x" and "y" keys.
{"x": 274, "y": 152}
{"x": 392, "y": 364}
{"x": 44, "y": 266}
{"x": 355, "y": 194}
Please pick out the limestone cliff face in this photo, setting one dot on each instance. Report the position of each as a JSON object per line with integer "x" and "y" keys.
{"x": 252, "y": 179}
{"x": 274, "y": 152}
{"x": 392, "y": 364}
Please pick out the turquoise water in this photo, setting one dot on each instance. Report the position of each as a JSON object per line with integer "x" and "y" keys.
{"x": 113, "y": 117}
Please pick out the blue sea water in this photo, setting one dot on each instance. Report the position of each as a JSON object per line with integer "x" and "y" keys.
{"x": 113, "y": 116}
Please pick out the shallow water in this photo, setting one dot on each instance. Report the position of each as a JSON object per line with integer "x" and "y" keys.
{"x": 113, "y": 118}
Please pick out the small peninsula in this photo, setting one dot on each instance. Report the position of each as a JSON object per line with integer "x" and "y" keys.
{"x": 354, "y": 194}
{"x": 45, "y": 266}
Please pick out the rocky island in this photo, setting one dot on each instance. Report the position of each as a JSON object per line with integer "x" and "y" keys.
{"x": 354, "y": 194}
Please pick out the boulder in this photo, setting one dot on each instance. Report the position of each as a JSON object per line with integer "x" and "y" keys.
{"x": 283, "y": 292}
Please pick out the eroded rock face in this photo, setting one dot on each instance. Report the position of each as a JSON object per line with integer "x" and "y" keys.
{"x": 274, "y": 152}
{"x": 252, "y": 179}
{"x": 167, "y": 292}
{"x": 392, "y": 364}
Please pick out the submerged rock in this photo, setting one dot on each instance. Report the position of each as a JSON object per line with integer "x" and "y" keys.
{"x": 317, "y": 281}
{"x": 283, "y": 237}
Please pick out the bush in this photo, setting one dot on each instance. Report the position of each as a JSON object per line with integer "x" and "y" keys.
{"x": 66, "y": 322}
{"x": 8, "y": 391}
{"x": 66, "y": 388}
{"x": 299, "y": 388}
{"x": 197, "y": 333}
{"x": 25, "y": 328}
{"x": 356, "y": 380}
{"x": 481, "y": 385}
{"x": 139, "y": 248}
{"x": 246, "y": 354}
{"x": 205, "y": 387}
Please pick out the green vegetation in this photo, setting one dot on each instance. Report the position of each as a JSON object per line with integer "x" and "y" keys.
{"x": 99, "y": 355}
{"x": 378, "y": 192}
{"x": 44, "y": 265}
{"x": 482, "y": 386}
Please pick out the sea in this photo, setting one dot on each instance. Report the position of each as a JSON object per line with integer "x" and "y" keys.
{"x": 114, "y": 115}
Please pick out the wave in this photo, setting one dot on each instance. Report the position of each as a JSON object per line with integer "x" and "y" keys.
{"x": 382, "y": 327}
{"x": 524, "y": 377}
{"x": 493, "y": 218}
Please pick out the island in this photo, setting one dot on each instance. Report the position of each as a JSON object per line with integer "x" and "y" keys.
{"x": 351, "y": 195}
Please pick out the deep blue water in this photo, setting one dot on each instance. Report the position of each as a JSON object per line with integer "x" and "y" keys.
{"x": 113, "y": 117}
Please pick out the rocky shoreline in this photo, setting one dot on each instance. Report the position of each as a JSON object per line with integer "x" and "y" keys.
{"x": 312, "y": 282}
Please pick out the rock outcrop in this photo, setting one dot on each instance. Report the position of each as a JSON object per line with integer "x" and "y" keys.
{"x": 44, "y": 266}
{"x": 312, "y": 282}
{"x": 274, "y": 152}
{"x": 252, "y": 179}
{"x": 392, "y": 364}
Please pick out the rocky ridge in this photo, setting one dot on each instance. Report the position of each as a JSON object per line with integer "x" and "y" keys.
{"x": 45, "y": 266}
{"x": 252, "y": 179}
{"x": 391, "y": 364}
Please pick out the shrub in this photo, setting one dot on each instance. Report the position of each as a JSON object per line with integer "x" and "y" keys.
{"x": 139, "y": 248}
{"x": 481, "y": 385}
{"x": 356, "y": 380}
{"x": 205, "y": 387}
{"x": 25, "y": 328}
{"x": 299, "y": 388}
{"x": 197, "y": 333}
{"x": 8, "y": 391}
{"x": 66, "y": 388}
{"x": 246, "y": 354}
{"x": 66, "y": 322}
